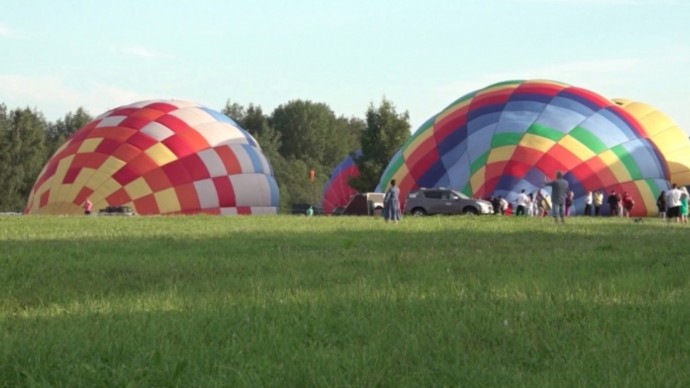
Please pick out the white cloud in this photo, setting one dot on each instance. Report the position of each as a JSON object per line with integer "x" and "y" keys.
{"x": 53, "y": 97}
{"x": 7, "y": 32}
{"x": 145, "y": 53}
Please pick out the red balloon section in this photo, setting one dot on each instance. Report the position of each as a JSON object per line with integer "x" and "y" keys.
{"x": 337, "y": 191}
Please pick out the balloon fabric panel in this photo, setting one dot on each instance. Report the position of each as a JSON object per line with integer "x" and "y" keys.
{"x": 337, "y": 190}
{"x": 212, "y": 162}
{"x": 149, "y": 155}
{"x": 669, "y": 139}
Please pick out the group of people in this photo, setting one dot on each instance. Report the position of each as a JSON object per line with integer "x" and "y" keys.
{"x": 540, "y": 203}
{"x": 499, "y": 204}
{"x": 618, "y": 205}
{"x": 561, "y": 201}
{"x": 532, "y": 204}
{"x": 673, "y": 204}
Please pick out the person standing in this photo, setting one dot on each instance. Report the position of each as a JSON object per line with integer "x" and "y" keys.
{"x": 569, "y": 202}
{"x": 87, "y": 206}
{"x": 684, "y": 205}
{"x": 614, "y": 202}
{"x": 628, "y": 204}
{"x": 547, "y": 205}
{"x": 496, "y": 204}
{"x": 391, "y": 203}
{"x": 532, "y": 207}
{"x": 673, "y": 203}
{"x": 503, "y": 204}
{"x": 588, "y": 203}
{"x": 598, "y": 201}
{"x": 661, "y": 204}
{"x": 539, "y": 203}
{"x": 559, "y": 190}
{"x": 522, "y": 202}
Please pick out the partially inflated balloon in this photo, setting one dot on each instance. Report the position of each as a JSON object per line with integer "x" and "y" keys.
{"x": 508, "y": 136}
{"x": 671, "y": 140}
{"x": 158, "y": 157}
{"x": 337, "y": 191}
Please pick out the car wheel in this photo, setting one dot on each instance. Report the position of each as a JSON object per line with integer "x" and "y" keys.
{"x": 470, "y": 210}
{"x": 417, "y": 212}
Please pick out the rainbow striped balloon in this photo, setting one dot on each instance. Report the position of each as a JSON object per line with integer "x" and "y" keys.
{"x": 158, "y": 157}
{"x": 508, "y": 136}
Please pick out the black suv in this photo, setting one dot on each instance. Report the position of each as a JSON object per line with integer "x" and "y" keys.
{"x": 444, "y": 201}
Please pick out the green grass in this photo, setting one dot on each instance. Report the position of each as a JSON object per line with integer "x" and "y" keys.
{"x": 293, "y": 301}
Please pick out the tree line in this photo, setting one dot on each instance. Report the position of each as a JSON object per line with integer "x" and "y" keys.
{"x": 296, "y": 137}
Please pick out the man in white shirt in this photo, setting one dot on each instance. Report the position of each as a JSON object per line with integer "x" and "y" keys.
{"x": 588, "y": 204}
{"x": 673, "y": 203}
{"x": 522, "y": 203}
{"x": 503, "y": 204}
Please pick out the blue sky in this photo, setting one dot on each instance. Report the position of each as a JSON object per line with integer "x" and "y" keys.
{"x": 59, "y": 55}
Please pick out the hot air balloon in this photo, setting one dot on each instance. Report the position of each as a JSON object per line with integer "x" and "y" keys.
{"x": 158, "y": 157}
{"x": 508, "y": 136}
{"x": 337, "y": 191}
{"x": 671, "y": 140}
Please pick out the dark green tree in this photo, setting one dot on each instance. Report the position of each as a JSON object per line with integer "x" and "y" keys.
{"x": 386, "y": 130}
{"x": 311, "y": 132}
{"x": 235, "y": 111}
{"x": 292, "y": 176}
{"x": 60, "y": 130}
{"x": 22, "y": 155}
{"x": 312, "y": 137}
{"x": 351, "y": 130}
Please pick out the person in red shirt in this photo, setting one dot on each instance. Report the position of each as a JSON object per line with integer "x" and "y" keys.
{"x": 628, "y": 204}
{"x": 87, "y": 207}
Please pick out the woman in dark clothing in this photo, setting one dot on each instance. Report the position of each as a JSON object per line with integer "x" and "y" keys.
{"x": 569, "y": 202}
{"x": 661, "y": 204}
{"x": 614, "y": 201}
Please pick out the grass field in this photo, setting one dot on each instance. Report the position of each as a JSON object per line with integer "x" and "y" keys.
{"x": 293, "y": 301}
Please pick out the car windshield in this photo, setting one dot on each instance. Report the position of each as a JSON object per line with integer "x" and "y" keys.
{"x": 437, "y": 194}
{"x": 461, "y": 195}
